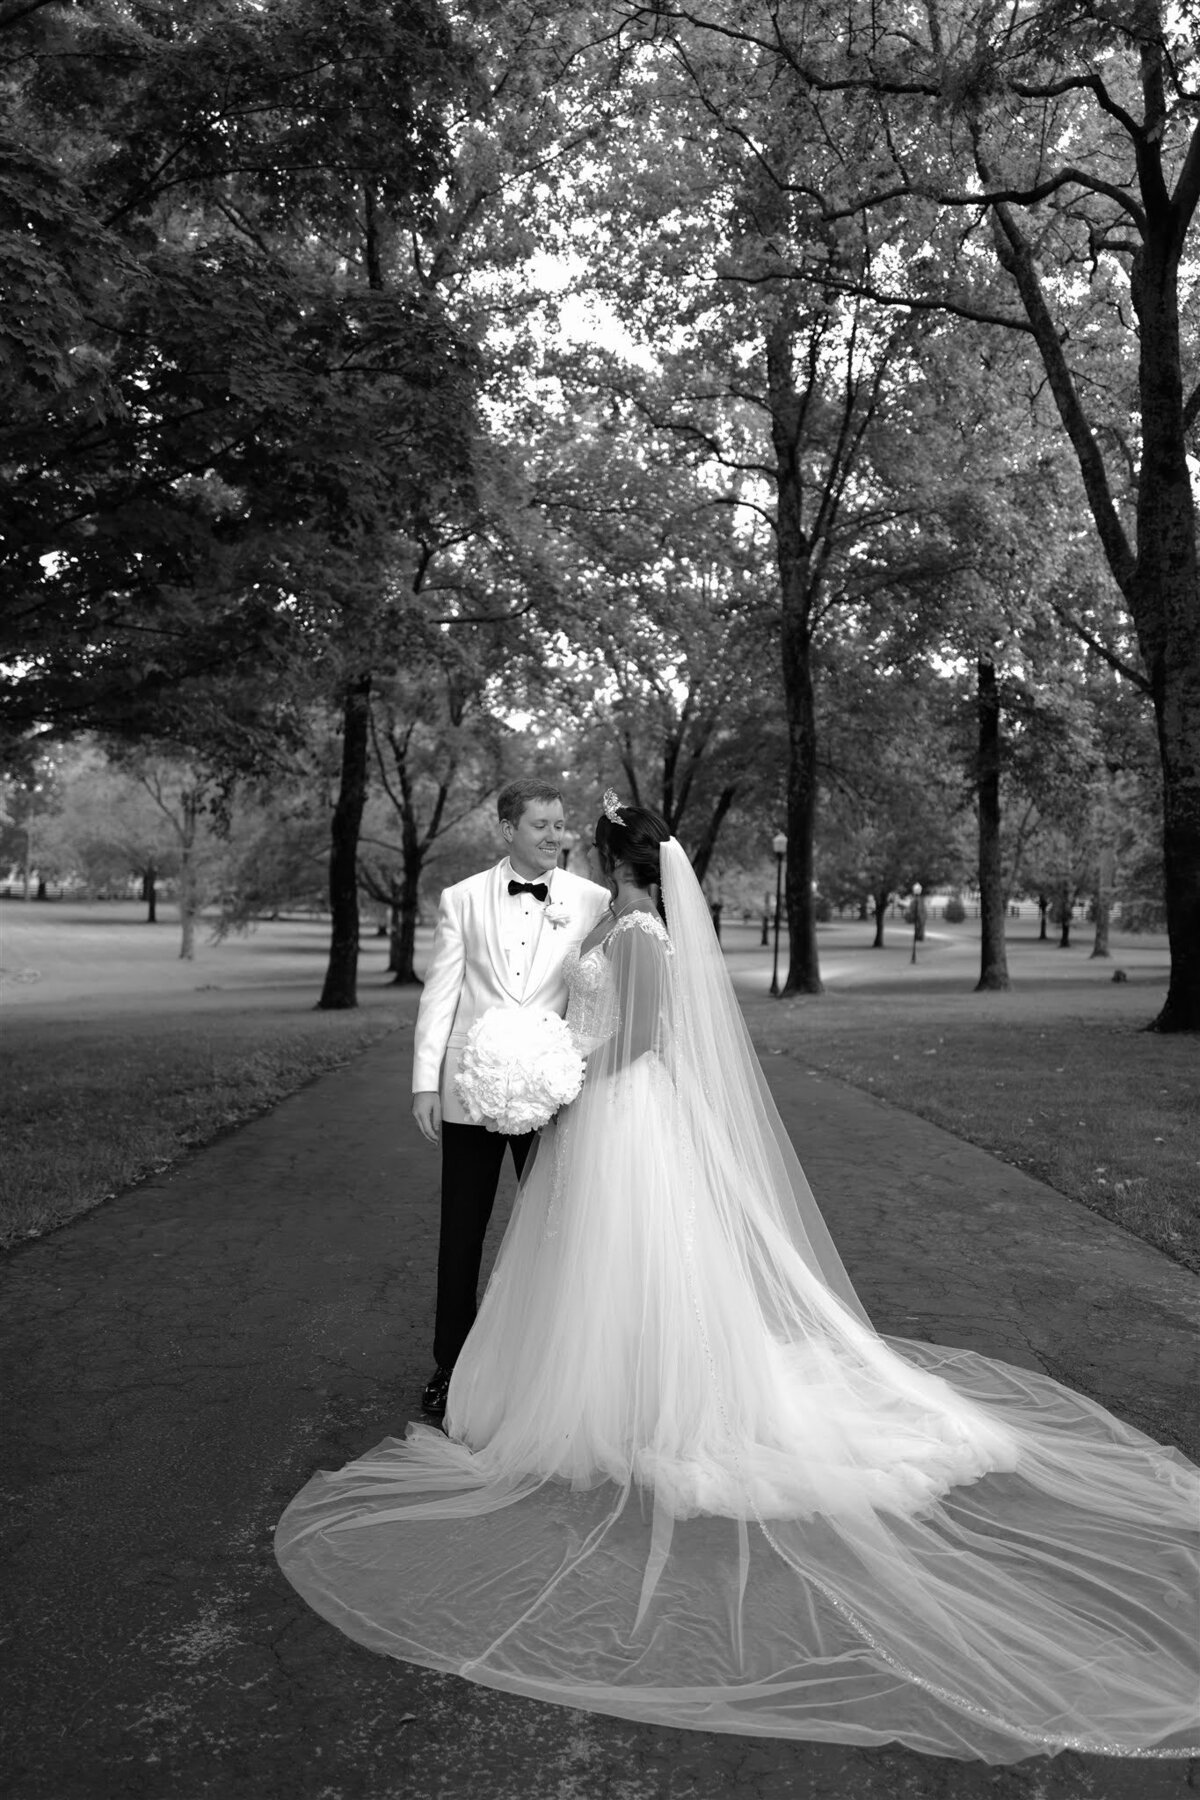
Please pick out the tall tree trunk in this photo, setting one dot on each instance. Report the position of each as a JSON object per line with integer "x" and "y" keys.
{"x": 150, "y": 893}
{"x": 804, "y": 967}
{"x": 1177, "y": 711}
{"x": 189, "y": 809}
{"x": 793, "y": 553}
{"x": 1066, "y": 908}
{"x": 708, "y": 843}
{"x": 880, "y": 905}
{"x": 1102, "y": 900}
{"x": 1164, "y": 598}
{"x": 1161, "y": 579}
{"x": 340, "y": 991}
{"x": 1043, "y": 901}
{"x": 993, "y": 948}
{"x": 404, "y": 944}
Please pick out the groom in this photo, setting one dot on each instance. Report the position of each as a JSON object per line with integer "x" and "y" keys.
{"x": 501, "y": 939}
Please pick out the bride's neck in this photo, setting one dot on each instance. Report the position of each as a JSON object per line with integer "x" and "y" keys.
{"x": 631, "y": 898}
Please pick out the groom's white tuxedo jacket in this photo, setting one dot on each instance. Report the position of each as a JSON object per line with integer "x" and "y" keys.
{"x": 469, "y": 973}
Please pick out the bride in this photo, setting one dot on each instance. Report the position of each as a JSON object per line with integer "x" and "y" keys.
{"x": 683, "y": 1480}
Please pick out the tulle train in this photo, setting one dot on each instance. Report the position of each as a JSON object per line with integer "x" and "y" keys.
{"x": 684, "y": 1482}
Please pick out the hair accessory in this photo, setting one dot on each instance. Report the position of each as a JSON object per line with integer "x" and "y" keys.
{"x": 612, "y": 809}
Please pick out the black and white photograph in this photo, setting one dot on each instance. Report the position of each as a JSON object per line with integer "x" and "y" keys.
{"x": 600, "y": 900}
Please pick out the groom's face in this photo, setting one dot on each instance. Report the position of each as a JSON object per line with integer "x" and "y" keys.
{"x": 536, "y": 839}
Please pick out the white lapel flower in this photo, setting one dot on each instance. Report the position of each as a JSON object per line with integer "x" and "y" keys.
{"x": 556, "y": 914}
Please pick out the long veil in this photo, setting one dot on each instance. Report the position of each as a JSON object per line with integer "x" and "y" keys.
{"x": 686, "y": 1482}
{"x": 717, "y": 1066}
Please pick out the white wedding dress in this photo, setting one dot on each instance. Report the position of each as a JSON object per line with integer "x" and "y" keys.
{"x": 684, "y": 1481}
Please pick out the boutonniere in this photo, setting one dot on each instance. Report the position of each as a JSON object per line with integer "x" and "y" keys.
{"x": 556, "y": 914}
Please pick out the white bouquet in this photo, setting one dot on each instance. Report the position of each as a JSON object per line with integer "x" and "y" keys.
{"x": 518, "y": 1066}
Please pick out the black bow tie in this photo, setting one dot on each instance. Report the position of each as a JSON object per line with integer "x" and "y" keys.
{"x": 538, "y": 889}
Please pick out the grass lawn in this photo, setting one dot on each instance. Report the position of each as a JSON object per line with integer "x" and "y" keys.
{"x": 1058, "y": 1078}
{"x": 92, "y": 1109}
{"x": 117, "y": 1059}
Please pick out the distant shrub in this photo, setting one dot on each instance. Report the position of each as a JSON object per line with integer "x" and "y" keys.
{"x": 1144, "y": 912}
{"x": 954, "y": 912}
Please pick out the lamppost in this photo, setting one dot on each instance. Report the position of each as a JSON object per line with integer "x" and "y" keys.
{"x": 569, "y": 841}
{"x": 779, "y": 847}
{"x": 916, "y": 890}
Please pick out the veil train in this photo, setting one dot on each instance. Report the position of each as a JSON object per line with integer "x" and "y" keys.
{"x": 686, "y": 1482}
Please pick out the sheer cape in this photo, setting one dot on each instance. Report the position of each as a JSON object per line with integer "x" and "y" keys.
{"x": 684, "y": 1481}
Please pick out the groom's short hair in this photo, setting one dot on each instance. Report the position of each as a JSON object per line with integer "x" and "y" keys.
{"x": 512, "y": 800}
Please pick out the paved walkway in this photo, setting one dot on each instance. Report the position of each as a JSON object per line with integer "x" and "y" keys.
{"x": 179, "y": 1362}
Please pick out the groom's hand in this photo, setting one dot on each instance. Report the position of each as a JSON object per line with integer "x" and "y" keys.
{"x": 427, "y": 1111}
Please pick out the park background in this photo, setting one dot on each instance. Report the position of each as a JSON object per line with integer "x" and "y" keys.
{"x": 788, "y": 416}
{"x": 789, "y": 419}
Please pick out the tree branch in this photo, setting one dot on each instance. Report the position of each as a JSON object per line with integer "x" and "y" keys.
{"x": 518, "y": 612}
{"x": 1115, "y": 662}
{"x": 1187, "y": 189}
{"x": 1050, "y": 90}
{"x": 822, "y": 277}
{"x": 383, "y": 774}
{"x": 1012, "y": 196}
{"x": 1016, "y": 258}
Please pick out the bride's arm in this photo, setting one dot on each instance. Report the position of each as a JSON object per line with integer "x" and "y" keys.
{"x": 639, "y": 959}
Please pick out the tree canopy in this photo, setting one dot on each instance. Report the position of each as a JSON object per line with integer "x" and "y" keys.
{"x": 793, "y": 410}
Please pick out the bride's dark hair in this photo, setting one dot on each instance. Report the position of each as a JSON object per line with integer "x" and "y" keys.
{"x": 634, "y": 842}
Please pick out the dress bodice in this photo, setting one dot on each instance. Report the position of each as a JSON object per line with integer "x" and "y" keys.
{"x": 591, "y": 997}
{"x": 593, "y": 1002}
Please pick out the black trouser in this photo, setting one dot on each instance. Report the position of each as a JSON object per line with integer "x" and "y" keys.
{"x": 472, "y": 1158}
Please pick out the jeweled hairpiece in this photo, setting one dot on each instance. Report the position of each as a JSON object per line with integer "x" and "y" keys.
{"x": 611, "y": 805}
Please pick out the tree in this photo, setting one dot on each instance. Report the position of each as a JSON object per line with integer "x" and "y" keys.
{"x": 793, "y": 409}
{"x": 167, "y": 214}
{"x": 31, "y": 795}
{"x": 212, "y": 484}
{"x": 893, "y": 788}
{"x": 180, "y": 792}
{"x": 105, "y": 828}
{"x": 1071, "y": 129}
{"x": 663, "y": 614}
{"x": 440, "y": 751}
{"x": 151, "y": 812}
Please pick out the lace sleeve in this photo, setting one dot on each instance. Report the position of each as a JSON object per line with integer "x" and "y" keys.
{"x": 639, "y": 954}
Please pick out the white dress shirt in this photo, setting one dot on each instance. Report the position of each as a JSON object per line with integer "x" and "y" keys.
{"x": 521, "y": 919}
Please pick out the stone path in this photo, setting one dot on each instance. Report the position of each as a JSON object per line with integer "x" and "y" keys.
{"x": 178, "y": 1362}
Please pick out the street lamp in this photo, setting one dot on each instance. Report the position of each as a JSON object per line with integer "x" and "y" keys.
{"x": 916, "y": 891}
{"x": 779, "y": 847}
{"x": 569, "y": 841}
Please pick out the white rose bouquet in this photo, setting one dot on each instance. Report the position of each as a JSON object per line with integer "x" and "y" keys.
{"x": 518, "y": 1066}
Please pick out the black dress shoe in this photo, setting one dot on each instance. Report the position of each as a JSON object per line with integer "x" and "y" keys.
{"x": 433, "y": 1400}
